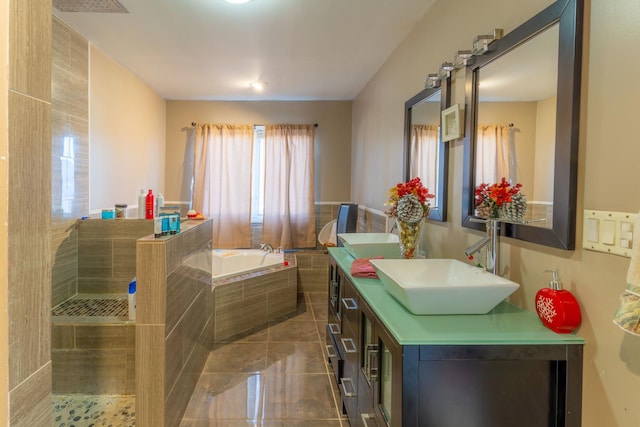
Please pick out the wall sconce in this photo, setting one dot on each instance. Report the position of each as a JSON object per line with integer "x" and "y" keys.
{"x": 462, "y": 58}
{"x": 431, "y": 81}
{"x": 481, "y": 43}
{"x": 445, "y": 70}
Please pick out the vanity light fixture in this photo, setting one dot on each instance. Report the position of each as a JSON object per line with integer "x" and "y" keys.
{"x": 431, "y": 81}
{"x": 462, "y": 58}
{"x": 481, "y": 43}
{"x": 258, "y": 85}
{"x": 445, "y": 70}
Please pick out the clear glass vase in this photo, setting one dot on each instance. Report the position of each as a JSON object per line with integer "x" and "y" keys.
{"x": 409, "y": 237}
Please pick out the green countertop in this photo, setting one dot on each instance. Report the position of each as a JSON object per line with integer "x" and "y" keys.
{"x": 505, "y": 324}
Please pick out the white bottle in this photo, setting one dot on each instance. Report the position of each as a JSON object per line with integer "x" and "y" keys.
{"x": 132, "y": 299}
{"x": 159, "y": 203}
{"x": 142, "y": 200}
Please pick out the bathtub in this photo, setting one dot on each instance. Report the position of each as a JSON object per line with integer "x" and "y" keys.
{"x": 251, "y": 287}
{"x": 229, "y": 262}
{"x": 225, "y": 263}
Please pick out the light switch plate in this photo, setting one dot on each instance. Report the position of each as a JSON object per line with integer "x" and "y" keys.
{"x": 609, "y": 232}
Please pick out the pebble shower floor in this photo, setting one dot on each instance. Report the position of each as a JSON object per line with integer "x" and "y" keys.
{"x": 82, "y": 410}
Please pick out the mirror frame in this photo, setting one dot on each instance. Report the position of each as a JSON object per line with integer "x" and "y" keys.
{"x": 569, "y": 15}
{"x": 438, "y": 213}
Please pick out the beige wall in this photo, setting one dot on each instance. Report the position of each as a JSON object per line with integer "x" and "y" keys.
{"x": 127, "y": 131}
{"x": 607, "y": 174}
{"x": 332, "y": 147}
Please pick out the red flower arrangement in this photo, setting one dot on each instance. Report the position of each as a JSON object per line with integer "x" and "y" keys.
{"x": 488, "y": 198}
{"x": 413, "y": 187}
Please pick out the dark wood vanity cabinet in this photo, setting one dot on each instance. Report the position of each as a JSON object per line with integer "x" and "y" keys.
{"x": 424, "y": 384}
{"x": 334, "y": 315}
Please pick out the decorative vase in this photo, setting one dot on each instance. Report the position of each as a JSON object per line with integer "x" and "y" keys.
{"x": 409, "y": 237}
{"x": 515, "y": 210}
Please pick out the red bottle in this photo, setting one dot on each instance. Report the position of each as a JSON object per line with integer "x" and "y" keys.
{"x": 149, "y": 205}
{"x": 557, "y": 308}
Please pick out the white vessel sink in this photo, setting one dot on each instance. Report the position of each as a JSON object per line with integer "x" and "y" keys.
{"x": 442, "y": 286}
{"x": 368, "y": 245}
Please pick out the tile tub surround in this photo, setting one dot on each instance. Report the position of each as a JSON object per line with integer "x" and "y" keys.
{"x": 312, "y": 270}
{"x": 248, "y": 301}
{"x": 174, "y": 324}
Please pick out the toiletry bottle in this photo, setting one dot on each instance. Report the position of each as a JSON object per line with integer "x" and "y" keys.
{"x": 132, "y": 299}
{"x": 142, "y": 200}
{"x": 159, "y": 202}
{"x": 149, "y": 205}
{"x": 157, "y": 227}
{"x": 557, "y": 308}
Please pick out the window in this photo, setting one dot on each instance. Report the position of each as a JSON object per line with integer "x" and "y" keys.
{"x": 257, "y": 176}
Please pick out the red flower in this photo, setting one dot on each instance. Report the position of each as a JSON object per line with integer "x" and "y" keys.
{"x": 413, "y": 186}
{"x": 496, "y": 194}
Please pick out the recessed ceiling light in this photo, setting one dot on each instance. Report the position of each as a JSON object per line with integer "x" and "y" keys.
{"x": 237, "y": 1}
{"x": 258, "y": 85}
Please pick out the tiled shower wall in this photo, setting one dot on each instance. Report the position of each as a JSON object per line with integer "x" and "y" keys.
{"x": 69, "y": 154}
{"x": 26, "y": 177}
{"x": 107, "y": 254}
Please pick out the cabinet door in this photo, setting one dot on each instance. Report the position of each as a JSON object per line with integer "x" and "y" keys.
{"x": 367, "y": 375}
{"x": 333, "y": 334}
{"x": 349, "y": 346}
{"x": 387, "y": 390}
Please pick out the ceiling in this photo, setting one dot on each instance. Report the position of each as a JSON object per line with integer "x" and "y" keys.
{"x": 212, "y": 50}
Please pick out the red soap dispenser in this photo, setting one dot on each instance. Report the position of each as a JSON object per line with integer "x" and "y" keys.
{"x": 556, "y": 307}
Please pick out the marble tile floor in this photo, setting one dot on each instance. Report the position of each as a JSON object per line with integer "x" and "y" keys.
{"x": 276, "y": 376}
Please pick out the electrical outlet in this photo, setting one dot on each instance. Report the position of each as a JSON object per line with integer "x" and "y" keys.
{"x": 609, "y": 232}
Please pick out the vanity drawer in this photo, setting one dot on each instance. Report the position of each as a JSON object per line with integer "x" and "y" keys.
{"x": 350, "y": 305}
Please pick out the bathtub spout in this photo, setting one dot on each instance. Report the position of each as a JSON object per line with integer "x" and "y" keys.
{"x": 266, "y": 247}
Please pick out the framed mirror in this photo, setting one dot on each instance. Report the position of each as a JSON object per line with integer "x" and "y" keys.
{"x": 522, "y": 123}
{"x": 425, "y": 154}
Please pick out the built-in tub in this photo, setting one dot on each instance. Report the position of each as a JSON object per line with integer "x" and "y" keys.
{"x": 230, "y": 262}
{"x": 251, "y": 287}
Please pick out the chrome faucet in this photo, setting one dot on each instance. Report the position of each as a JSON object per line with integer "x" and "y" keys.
{"x": 266, "y": 247}
{"x": 491, "y": 242}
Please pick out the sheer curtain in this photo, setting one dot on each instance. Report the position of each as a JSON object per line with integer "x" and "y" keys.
{"x": 289, "y": 215}
{"x": 222, "y": 181}
{"x": 424, "y": 154}
{"x": 493, "y": 154}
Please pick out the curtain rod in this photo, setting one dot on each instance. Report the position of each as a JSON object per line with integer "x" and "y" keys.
{"x": 315, "y": 125}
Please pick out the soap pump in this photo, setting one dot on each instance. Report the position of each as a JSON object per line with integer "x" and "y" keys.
{"x": 557, "y": 308}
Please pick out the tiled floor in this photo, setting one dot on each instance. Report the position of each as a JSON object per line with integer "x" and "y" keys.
{"x": 78, "y": 410}
{"x": 274, "y": 377}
